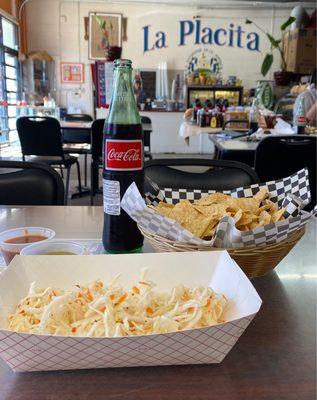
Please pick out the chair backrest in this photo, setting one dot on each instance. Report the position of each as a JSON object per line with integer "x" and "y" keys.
{"x": 30, "y": 184}
{"x": 78, "y": 117}
{"x": 77, "y": 135}
{"x": 40, "y": 136}
{"x": 220, "y": 174}
{"x": 147, "y": 134}
{"x": 280, "y": 156}
{"x": 97, "y": 139}
{"x": 145, "y": 120}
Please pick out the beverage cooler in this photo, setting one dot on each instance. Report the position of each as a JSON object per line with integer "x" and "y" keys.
{"x": 234, "y": 94}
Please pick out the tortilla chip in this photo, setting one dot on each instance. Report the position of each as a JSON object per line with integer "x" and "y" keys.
{"x": 202, "y": 217}
{"x": 246, "y": 219}
{"x": 212, "y": 199}
{"x": 210, "y": 230}
{"x": 164, "y": 208}
{"x": 238, "y": 215}
{"x": 243, "y": 228}
{"x": 261, "y": 195}
{"x": 278, "y": 215}
{"x": 264, "y": 218}
{"x": 266, "y": 207}
{"x": 191, "y": 219}
{"x": 215, "y": 210}
{"x": 273, "y": 206}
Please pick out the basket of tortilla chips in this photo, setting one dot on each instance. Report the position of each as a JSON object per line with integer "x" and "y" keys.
{"x": 258, "y": 225}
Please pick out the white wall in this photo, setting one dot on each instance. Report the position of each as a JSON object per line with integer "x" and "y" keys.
{"x": 57, "y": 26}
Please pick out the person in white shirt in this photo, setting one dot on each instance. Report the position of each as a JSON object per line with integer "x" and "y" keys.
{"x": 310, "y": 102}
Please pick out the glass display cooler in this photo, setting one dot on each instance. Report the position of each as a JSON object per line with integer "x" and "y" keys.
{"x": 234, "y": 94}
{"x": 38, "y": 80}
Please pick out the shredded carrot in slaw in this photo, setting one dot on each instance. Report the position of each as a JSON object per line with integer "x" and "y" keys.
{"x": 100, "y": 310}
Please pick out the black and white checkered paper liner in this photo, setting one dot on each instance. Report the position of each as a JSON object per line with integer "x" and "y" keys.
{"x": 134, "y": 205}
{"x": 296, "y": 184}
{"x": 153, "y": 195}
{"x": 227, "y": 235}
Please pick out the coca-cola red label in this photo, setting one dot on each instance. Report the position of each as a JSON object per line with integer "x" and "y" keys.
{"x": 123, "y": 155}
{"x": 301, "y": 120}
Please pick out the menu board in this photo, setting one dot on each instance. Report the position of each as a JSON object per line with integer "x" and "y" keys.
{"x": 108, "y": 81}
{"x": 104, "y": 82}
{"x": 100, "y": 84}
{"x": 149, "y": 83}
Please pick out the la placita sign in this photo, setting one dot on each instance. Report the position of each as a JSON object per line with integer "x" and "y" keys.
{"x": 193, "y": 32}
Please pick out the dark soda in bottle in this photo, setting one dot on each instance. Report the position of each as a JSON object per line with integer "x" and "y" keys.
{"x": 300, "y": 118}
{"x": 122, "y": 162}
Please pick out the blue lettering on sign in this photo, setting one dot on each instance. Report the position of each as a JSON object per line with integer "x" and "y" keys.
{"x": 185, "y": 28}
{"x": 207, "y": 36}
{"x": 161, "y": 40}
{"x": 217, "y": 39}
{"x": 253, "y": 44}
{"x": 146, "y": 39}
{"x": 195, "y": 33}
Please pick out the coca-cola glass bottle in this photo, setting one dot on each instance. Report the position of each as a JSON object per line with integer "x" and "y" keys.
{"x": 122, "y": 162}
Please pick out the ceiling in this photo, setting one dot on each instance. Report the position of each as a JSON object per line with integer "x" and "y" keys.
{"x": 205, "y": 4}
{"x": 210, "y": 2}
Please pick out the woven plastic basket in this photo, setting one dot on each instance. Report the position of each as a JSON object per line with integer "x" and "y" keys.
{"x": 254, "y": 261}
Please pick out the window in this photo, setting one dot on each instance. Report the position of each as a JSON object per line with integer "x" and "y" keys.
{"x": 10, "y": 81}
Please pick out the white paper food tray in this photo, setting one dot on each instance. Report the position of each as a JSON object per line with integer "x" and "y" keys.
{"x": 29, "y": 352}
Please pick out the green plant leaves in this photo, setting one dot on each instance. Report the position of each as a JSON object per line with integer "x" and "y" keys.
{"x": 274, "y": 42}
{"x": 287, "y": 23}
{"x": 101, "y": 22}
{"x": 267, "y": 63}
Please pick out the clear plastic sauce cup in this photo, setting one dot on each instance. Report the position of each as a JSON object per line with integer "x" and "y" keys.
{"x": 53, "y": 248}
{"x": 14, "y": 240}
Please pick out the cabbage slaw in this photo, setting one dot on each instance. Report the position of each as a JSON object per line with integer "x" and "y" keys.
{"x": 98, "y": 310}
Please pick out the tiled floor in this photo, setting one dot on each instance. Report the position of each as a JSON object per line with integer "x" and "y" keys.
{"x": 14, "y": 152}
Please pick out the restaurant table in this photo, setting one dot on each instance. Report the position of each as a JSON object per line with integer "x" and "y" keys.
{"x": 238, "y": 149}
{"x": 188, "y": 129}
{"x": 79, "y": 148}
{"x": 273, "y": 360}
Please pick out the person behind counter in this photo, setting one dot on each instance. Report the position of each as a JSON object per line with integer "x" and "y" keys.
{"x": 309, "y": 97}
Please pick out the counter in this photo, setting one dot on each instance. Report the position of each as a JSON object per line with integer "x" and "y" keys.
{"x": 165, "y": 137}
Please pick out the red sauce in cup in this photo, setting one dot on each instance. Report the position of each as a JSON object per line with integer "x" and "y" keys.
{"x": 25, "y": 239}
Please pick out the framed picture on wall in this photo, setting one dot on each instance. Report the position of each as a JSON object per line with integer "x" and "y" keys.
{"x": 72, "y": 72}
{"x": 105, "y": 30}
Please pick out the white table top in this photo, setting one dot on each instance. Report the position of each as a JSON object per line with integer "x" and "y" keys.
{"x": 188, "y": 129}
{"x": 69, "y": 222}
{"x": 75, "y": 125}
{"x": 234, "y": 144}
{"x": 285, "y": 329}
{"x": 82, "y": 222}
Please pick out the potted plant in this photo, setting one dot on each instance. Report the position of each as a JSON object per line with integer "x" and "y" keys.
{"x": 282, "y": 77}
{"x": 111, "y": 52}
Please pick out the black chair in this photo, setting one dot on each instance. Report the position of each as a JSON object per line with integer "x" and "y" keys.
{"x": 30, "y": 184}
{"x": 77, "y": 136}
{"x": 96, "y": 155}
{"x": 280, "y": 156}
{"x": 41, "y": 137}
{"x": 147, "y": 137}
{"x": 220, "y": 174}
